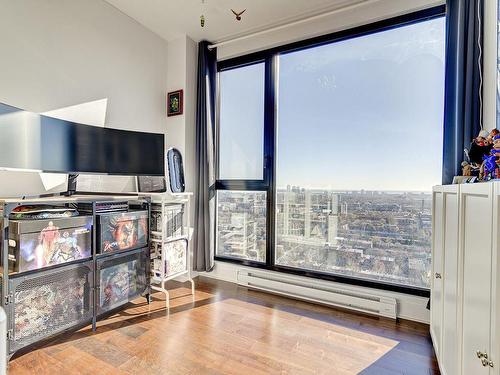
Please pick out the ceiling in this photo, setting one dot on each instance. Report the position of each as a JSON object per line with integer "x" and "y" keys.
{"x": 173, "y": 18}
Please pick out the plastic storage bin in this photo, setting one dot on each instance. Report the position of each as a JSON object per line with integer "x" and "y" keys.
{"x": 122, "y": 231}
{"x": 36, "y": 244}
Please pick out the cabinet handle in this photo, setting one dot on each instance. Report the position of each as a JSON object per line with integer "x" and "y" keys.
{"x": 486, "y": 363}
{"x": 438, "y": 275}
{"x": 484, "y": 359}
{"x": 480, "y": 354}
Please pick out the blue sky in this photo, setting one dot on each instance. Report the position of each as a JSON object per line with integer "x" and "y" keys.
{"x": 365, "y": 113}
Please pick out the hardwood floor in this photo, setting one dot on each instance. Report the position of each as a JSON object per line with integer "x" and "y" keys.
{"x": 228, "y": 329}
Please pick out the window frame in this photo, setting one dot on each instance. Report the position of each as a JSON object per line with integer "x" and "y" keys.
{"x": 268, "y": 184}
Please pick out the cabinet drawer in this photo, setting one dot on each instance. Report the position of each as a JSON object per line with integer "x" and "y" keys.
{"x": 118, "y": 231}
{"x": 37, "y": 244}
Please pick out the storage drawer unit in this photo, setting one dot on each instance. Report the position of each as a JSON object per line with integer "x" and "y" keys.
{"x": 175, "y": 256}
{"x": 174, "y": 219}
{"x": 122, "y": 278}
{"x": 49, "y": 302}
{"x": 117, "y": 231}
{"x": 36, "y": 244}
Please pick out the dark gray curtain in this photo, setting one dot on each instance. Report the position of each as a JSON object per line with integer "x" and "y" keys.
{"x": 462, "y": 108}
{"x": 203, "y": 259}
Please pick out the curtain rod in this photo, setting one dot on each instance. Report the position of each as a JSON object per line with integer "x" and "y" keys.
{"x": 298, "y": 22}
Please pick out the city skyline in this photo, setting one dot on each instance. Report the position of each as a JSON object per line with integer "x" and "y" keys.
{"x": 382, "y": 237}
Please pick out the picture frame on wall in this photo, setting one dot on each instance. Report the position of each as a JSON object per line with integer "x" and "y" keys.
{"x": 175, "y": 103}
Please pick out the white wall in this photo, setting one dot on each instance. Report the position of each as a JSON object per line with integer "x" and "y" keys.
{"x": 58, "y": 53}
{"x": 181, "y": 74}
{"x": 181, "y": 130}
{"x": 370, "y": 12}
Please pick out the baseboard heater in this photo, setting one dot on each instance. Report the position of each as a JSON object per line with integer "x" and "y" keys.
{"x": 318, "y": 292}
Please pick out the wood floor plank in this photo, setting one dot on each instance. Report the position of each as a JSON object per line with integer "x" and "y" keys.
{"x": 229, "y": 330}
{"x": 79, "y": 360}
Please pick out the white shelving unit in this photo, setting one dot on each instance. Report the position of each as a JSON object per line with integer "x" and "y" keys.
{"x": 167, "y": 207}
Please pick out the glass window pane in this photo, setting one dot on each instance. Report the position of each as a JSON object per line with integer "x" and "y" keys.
{"x": 241, "y": 123}
{"x": 241, "y": 224}
{"x": 359, "y": 146}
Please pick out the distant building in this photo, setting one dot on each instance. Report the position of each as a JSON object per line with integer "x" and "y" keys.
{"x": 372, "y": 234}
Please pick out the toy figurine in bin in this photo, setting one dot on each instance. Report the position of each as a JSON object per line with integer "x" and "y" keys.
{"x": 483, "y": 158}
{"x": 37, "y": 244}
{"x": 118, "y": 283}
{"x": 480, "y": 147}
{"x": 490, "y": 165}
{"x": 122, "y": 231}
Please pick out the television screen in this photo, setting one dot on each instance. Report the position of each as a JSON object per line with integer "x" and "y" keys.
{"x": 36, "y": 142}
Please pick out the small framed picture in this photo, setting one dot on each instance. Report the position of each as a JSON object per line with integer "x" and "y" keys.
{"x": 175, "y": 103}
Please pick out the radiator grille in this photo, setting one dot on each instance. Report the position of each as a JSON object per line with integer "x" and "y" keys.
{"x": 50, "y": 302}
{"x": 319, "y": 292}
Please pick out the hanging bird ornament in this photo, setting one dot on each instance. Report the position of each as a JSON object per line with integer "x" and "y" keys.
{"x": 238, "y": 15}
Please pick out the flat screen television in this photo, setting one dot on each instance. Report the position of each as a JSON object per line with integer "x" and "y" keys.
{"x": 31, "y": 141}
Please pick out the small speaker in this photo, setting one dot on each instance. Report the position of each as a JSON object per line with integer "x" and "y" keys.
{"x": 175, "y": 171}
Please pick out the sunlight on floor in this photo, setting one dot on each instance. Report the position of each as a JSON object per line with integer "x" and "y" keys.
{"x": 285, "y": 337}
{"x": 227, "y": 335}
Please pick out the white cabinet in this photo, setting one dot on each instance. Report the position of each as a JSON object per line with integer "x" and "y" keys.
{"x": 437, "y": 263}
{"x": 476, "y": 206}
{"x": 450, "y": 344}
{"x": 463, "y": 288}
{"x": 495, "y": 281}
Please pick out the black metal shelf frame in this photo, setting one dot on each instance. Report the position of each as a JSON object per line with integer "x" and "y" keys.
{"x": 10, "y": 281}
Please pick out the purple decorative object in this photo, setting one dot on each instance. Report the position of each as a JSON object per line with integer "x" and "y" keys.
{"x": 490, "y": 164}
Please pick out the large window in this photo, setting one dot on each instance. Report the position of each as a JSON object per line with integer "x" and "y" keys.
{"x": 353, "y": 127}
{"x": 241, "y": 123}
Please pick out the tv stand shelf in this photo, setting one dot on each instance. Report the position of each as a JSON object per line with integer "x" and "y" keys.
{"x": 44, "y": 298}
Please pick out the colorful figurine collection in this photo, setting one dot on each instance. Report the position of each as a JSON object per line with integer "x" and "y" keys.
{"x": 483, "y": 156}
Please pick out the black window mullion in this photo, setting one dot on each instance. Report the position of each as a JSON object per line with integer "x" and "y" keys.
{"x": 241, "y": 185}
{"x": 269, "y": 153}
